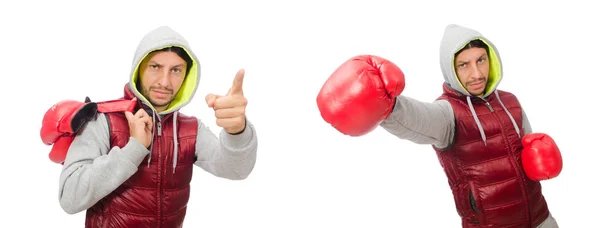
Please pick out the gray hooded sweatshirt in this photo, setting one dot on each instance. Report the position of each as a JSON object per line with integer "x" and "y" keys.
{"x": 433, "y": 123}
{"x": 92, "y": 169}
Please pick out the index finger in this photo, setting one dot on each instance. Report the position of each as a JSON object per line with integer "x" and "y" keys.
{"x": 238, "y": 81}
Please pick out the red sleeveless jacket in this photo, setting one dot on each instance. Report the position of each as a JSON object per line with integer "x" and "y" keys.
{"x": 484, "y": 170}
{"x": 155, "y": 196}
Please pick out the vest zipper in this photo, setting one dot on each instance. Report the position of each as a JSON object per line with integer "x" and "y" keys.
{"x": 159, "y": 129}
{"x": 160, "y": 173}
{"x": 488, "y": 105}
{"x": 515, "y": 165}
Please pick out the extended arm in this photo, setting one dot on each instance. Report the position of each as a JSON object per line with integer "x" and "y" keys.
{"x": 526, "y": 124}
{"x": 421, "y": 122}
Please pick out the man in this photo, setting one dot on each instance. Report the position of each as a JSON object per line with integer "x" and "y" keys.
{"x": 133, "y": 169}
{"x": 481, "y": 135}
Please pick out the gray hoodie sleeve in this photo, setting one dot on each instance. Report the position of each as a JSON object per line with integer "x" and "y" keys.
{"x": 92, "y": 170}
{"x": 526, "y": 125}
{"x": 421, "y": 122}
{"x": 228, "y": 156}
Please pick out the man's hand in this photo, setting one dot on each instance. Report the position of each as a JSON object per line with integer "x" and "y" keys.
{"x": 230, "y": 109}
{"x": 140, "y": 126}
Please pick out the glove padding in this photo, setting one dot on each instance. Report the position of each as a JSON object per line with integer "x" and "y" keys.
{"x": 541, "y": 157}
{"x": 360, "y": 94}
{"x": 65, "y": 119}
{"x": 60, "y": 148}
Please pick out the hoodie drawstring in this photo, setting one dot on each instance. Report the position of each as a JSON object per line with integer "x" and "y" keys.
{"x": 175, "y": 143}
{"x": 480, "y": 127}
{"x": 509, "y": 115}
{"x": 477, "y": 121}
{"x": 152, "y": 141}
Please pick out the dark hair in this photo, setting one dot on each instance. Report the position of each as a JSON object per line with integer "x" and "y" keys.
{"x": 181, "y": 53}
{"x": 474, "y": 43}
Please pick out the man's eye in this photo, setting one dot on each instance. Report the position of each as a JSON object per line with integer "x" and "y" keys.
{"x": 481, "y": 60}
{"x": 462, "y": 65}
{"x": 176, "y": 70}
{"x": 154, "y": 66}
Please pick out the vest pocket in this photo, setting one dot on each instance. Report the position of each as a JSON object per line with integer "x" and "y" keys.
{"x": 473, "y": 199}
{"x": 472, "y": 202}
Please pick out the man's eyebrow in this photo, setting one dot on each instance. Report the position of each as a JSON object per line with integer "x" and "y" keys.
{"x": 458, "y": 62}
{"x": 152, "y": 62}
{"x": 461, "y": 62}
{"x": 179, "y": 65}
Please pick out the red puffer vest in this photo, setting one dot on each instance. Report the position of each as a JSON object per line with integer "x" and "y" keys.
{"x": 155, "y": 196}
{"x": 484, "y": 168}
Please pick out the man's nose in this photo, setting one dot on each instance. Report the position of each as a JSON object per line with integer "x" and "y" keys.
{"x": 163, "y": 79}
{"x": 477, "y": 74}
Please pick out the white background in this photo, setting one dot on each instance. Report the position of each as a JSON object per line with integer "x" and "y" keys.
{"x": 307, "y": 174}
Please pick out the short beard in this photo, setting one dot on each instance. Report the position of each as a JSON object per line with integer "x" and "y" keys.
{"x": 146, "y": 93}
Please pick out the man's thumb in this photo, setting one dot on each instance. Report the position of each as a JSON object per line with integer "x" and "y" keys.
{"x": 128, "y": 115}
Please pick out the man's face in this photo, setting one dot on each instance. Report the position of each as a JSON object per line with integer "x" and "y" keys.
{"x": 161, "y": 76}
{"x": 472, "y": 66}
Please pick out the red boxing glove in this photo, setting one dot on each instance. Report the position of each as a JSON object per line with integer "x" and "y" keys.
{"x": 360, "y": 94}
{"x": 541, "y": 157}
{"x": 63, "y": 120}
{"x": 60, "y": 149}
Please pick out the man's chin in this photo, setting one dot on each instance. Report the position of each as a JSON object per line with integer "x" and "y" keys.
{"x": 159, "y": 103}
{"x": 477, "y": 93}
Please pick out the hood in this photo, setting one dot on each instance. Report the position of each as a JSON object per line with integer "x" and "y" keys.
{"x": 160, "y": 38}
{"x": 455, "y": 38}
{"x": 156, "y": 39}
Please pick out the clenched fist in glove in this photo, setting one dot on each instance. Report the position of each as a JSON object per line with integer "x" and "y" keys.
{"x": 541, "y": 157}
{"x": 360, "y": 94}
